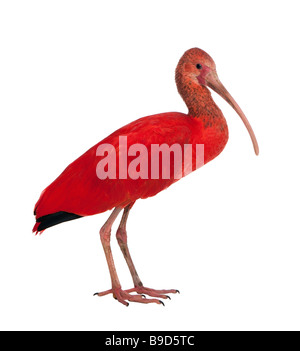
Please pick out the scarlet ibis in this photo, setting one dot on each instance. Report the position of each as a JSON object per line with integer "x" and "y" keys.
{"x": 79, "y": 191}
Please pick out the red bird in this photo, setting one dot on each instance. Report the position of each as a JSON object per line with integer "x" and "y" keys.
{"x": 82, "y": 191}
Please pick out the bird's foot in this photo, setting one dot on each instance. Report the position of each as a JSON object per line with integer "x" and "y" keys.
{"x": 161, "y": 294}
{"x": 124, "y": 296}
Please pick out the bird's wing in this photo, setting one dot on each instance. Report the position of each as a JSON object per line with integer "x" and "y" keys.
{"x": 78, "y": 190}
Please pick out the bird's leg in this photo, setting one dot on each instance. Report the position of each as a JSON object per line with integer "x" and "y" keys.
{"x": 138, "y": 285}
{"x": 116, "y": 290}
{"x": 122, "y": 241}
{"x": 105, "y": 234}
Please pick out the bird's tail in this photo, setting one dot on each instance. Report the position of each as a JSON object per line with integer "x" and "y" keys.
{"x": 52, "y": 219}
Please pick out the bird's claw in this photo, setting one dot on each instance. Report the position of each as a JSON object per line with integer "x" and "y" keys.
{"x": 124, "y": 296}
{"x": 161, "y": 294}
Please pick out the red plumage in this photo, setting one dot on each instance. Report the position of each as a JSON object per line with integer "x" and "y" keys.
{"x": 78, "y": 190}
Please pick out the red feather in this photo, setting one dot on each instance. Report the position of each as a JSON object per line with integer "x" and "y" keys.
{"x": 78, "y": 190}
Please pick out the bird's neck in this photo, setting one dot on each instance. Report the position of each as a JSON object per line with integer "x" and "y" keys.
{"x": 200, "y": 104}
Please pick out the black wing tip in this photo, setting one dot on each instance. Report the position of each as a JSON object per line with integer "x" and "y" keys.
{"x": 54, "y": 219}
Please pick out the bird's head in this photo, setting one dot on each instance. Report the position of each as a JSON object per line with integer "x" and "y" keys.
{"x": 197, "y": 68}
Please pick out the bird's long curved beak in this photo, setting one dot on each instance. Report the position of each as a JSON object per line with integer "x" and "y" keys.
{"x": 214, "y": 83}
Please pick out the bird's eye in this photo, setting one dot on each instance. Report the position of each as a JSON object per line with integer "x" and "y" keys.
{"x": 198, "y": 66}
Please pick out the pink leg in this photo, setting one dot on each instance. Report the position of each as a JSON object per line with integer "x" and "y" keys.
{"x": 138, "y": 285}
{"x": 122, "y": 241}
{"x": 105, "y": 233}
{"x": 116, "y": 290}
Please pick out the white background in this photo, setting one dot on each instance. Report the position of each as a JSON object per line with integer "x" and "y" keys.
{"x": 226, "y": 236}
